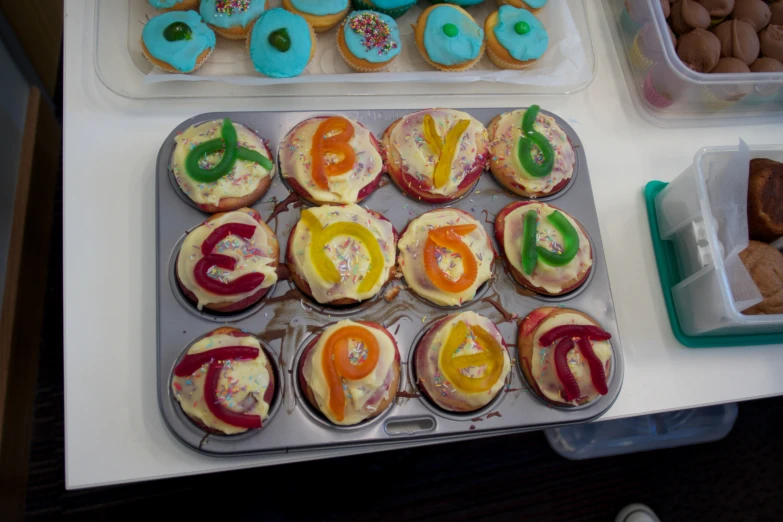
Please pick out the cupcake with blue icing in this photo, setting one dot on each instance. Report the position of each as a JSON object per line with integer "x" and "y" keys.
{"x": 530, "y": 5}
{"x": 177, "y": 41}
{"x": 232, "y": 19}
{"x": 457, "y": 2}
{"x": 281, "y": 44}
{"x": 322, "y": 15}
{"x": 174, "y": 5}
{"x": 393, "y": 8}
{"x": 369, "y": 41}
{"x": 449, "y": 38}
{"x": 515, "y": 38}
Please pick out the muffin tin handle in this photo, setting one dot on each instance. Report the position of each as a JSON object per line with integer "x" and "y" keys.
{"x": 410, "y": 425}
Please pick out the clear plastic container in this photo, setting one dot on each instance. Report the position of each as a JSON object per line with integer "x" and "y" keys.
{"x": 645, "y": 433}
{"x": 703, "y": 298}
{"x": 121, "y": 67}
{"x": 669, "y": 94}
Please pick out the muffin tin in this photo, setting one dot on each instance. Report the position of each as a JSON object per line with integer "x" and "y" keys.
{"x": 286, "y": 320}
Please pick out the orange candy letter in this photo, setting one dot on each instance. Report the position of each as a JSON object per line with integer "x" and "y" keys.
{"x": 337, "y": 145}
{"x": 449, "y": 237}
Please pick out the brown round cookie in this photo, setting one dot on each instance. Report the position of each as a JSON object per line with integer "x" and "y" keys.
{"x": 699, "y": 49}
{"x": 269, "y": 393}
{"x": 765, "y": 265}
{"x": 765, "y": 200}
{"x": 528, "y": 328}
{"x": 417, "y": 189}
{"x": 738, "y": 40}
{"x": 235, "y": 306}
{"x": 394, "y": 385}
{"x": 687, "y": 15}
{"x": 520, "y": 277}
{"x": 504, "y": 171}
{"x": 302, "y": 284}
{"x": 754, "y": 12}
{"x": 771, "y": 40}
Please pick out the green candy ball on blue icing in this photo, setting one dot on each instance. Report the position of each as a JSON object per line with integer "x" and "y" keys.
{"x": 227, "y": 20}
{"x": 373, "y": 50}
{"x": 452, "y": 50}
{"x": 180, "y": 54}
{"x": 164, "y": 4}
{"x": 528, "y": 46}
{"x": 320, "y": 7}
{"x": 266, "y": 58}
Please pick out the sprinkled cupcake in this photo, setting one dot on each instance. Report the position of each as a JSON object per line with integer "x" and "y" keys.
{"x": 436, "y": 155}
{"x": 307, "y": 160}
{"x": 232, "y": 19}
{"x": 530, "y": 154}
{"x": 369, "y": 41}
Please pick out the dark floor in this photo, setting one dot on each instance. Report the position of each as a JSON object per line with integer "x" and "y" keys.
{"x": 515, "y": 477}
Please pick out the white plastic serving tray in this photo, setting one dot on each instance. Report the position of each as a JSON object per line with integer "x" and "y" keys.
{"x": 121, "y": 67}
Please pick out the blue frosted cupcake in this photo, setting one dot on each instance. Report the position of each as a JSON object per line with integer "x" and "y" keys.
{"x": 369, "y": 41}
{"x": 322, "y": 15}
{"x": 174, "y": 5}
{"x": 232, "y": 19}
{"x": 393, "y": 8}
{"x": 177, "y": 41}
{"x": 449, "y": 38}
{"x": 281, "y": 44}
{"x": 530, "y": 5}
{"x": 515, "y": 38}
{"x": 457, "y": 2}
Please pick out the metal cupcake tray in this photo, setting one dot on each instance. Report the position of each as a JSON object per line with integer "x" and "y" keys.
{"x": 286, "y": 320}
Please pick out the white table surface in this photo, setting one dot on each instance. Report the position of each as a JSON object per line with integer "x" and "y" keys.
{"x": 114, "y": 432}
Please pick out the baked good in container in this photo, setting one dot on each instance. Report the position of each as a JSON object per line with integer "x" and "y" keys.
{"x": 229, "y": 262}
{"x": 331, "y": 159}
{"x": 530, "y": 154}
{"x": 462, "y": 362}
{"x": 350, "y": 372}
{"x": 546, "y": 250}
{"x": 225, "y": 383}
{"x": 565, "y": 356}
{"x": 436, "y": 155}
{"x": 445, "y": 256}
{"x": 341, "y": 254}
{"x": 221, "y": 165}
{"x": 765, "y": 200}
{"x": 765, "y": 265}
